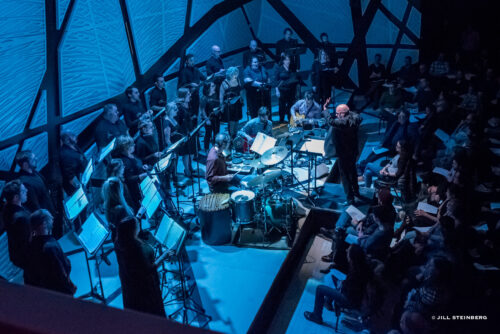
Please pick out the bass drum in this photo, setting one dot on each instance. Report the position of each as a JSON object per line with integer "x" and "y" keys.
{"x": 243, "y": 206}
{"x": 215, "y": 219}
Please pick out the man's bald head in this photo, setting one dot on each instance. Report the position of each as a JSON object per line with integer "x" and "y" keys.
{"x": 342, "y": 110}
{"x": 216, "y": 51}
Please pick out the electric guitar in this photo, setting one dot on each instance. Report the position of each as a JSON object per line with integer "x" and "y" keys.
{"x": 301, "y": 119}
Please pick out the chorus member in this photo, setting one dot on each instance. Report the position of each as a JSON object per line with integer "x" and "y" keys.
{"x": 323, "y": 76}
{"x": 137, "y": 270}
{"x": 38, "y": 193}
{"x": 256, "y": 125}
{"x": 286, "y": 85}
{"x": 133, "y": 109}
{"x": 116, "y": 168}
{"x": 146, "y": 145}
{"x": 115, "y": 205}
{"x": 134, "y": 171}
{"x": 258, "y": 94}
{"x": 345, "y": 135}
{"x": 48, "y": 267}
{"x": 214, "y": 64}
{"x": 186, "y": 120}
{"x": 330, "y": 49}
{"x": 191, "y": 77}
{"x": 216, "y": 171}
{"x": 306, "y": 110}
{"x": 284, "y": 45}
{"x": 254, "y": 51}
{"x": 110, "y": 126}
{"x": 158, "y": 95}
{"x": 211, "y": 111}
{"x": 17, "y": 222}
{"x": 72, "y": 162}
{"x": 230, "y": 100}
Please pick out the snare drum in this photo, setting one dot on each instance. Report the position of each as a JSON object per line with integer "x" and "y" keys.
{"x": 243, "y": 206}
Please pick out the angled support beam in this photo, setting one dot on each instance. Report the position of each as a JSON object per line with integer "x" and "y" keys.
{"x": 400, "y": 24}
{"x": 361, "y": 26}
{"x": 399, "y": 37}
{"x": 311, "y": 42}
{"x": 131, "y": 42}
{"x": 65, "y": 21}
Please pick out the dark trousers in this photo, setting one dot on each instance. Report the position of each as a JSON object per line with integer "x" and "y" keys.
{"x": 328, "y": 295}
{"x": 210, "y": 132}
{"x": 286, "y": 101}
{"x": 256, "y": 99}
{"x": 348, "y": 176}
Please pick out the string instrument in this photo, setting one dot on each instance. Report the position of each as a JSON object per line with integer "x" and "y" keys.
{"x": 301, "y": 119}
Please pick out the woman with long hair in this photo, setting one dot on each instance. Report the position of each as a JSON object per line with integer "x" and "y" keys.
{"x": 209, "y": 110}
{"x": 115, "y": 206}
{"x": 137, "y": 270}
{"x": 352, "y": 291}
{"x": 186, "y": 119}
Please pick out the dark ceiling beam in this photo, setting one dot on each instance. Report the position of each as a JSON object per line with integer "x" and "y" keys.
{"x": 359, "y": 36}
{"x": 310, "y": 41}
{"x": 66, "y": 19}
{"x": 359, "y": 23}
{"x": 399, "y": 24}
{"x": 131, "y": 41}
{"x": 398, "y": 38}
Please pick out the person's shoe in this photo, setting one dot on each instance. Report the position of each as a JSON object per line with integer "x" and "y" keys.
{"x": 327, "y": 258}
{"x": 313, "y": 317}
{"x": 325, "y": 234}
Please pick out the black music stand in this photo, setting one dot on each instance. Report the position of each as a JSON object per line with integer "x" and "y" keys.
{"x": 313, "y": 148}
{"x": 106, "y": 150}
{"x": 92, "y": 235}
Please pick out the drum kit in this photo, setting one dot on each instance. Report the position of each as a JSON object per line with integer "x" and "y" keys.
{"x": 261, "y": 202}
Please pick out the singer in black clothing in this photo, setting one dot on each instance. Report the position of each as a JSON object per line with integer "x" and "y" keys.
{"x": 48, "y": 267}
{"x": 158, "y": 95}
{"x": 257, "y": 84}
{"x": 72, "y": 162}
{"x": 133, "y": 109}
{"x": 254, "y": 51}
{"x": 329, "y": 48}
{"x": 284, "y": 45}
{"x": 109, "y": 126}
{"x": 323, "y": 76}
{"x": 286, "y": 85}
{"x": 17, "y": 222}
{"x": 210, "y": 110}
{"x": 214, "y": 64}
{"x": 190, "y": 77}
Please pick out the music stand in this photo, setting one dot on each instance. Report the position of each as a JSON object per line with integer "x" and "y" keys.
{"x": 163, "y": 163}
{"x": 313, "y": 148}
{"x": 170, "y": 235}
{"x": 87, "y": 173}
{"x": 92, "y": 235}
{"x": 151, "y": 200}
{"x": 262, "y": 143}
{"x": 107, "y": 150}
{"x": 75, "y": 204}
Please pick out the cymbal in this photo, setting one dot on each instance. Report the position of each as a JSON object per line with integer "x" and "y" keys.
{"x": 261, "y": 180}
{"x": 274, "y": 155}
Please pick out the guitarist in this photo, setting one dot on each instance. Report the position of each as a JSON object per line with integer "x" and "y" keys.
{"x": 261, "y": 123}
{"x": 305, "y": 111}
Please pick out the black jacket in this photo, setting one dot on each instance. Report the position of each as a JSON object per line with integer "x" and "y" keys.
{"x": 17, "y": 224}
{"x": 72, "y": 163}
{"x": 38, "y": 194}
{"x": 345, "y": 135}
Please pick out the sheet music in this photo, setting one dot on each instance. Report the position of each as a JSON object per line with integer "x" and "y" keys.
{"x": 422, "y": 229}
{"x": 441, "y": 171}
{"x": 427, "y": 208}
{"x": 380, "y": 150}
{"x": 75, "y": 204}
{"x": 170, "y": 234}
{"x": 443, "y": 136}
{"x": 351, "y": 239}
{"x": 314, "y": 146}
{"x": 163, "y": 163}
{"x": 92, "y": 234}
{"x": 153, "y": 203}
{"x": 87, "y": 173}
{"x": 262, "y": 143}
{"x": 355, "y": 213}
{"x": 107, "y": 149}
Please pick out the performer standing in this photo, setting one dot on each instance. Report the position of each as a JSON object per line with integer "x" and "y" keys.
{"x": 345, "y": 134}
{"x": 323, "y": 76}
{"x": 286, "y": 85}
{"x": 209, "y": 108}
{"x": 254, "y": 51}
{"x": 257, "y": 85}
{"x": 186, "y": 120}
{"x": 230, "y": 100}
{"x": 214, "y": 63}
{"x": 284, "y": 45}
{"x": 190, "y": 77}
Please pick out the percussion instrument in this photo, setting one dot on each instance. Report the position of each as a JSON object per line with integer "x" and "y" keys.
{"x": 215, "y": 219}
{"x": 244, "y": 206}
{"x": 274, "y": 155}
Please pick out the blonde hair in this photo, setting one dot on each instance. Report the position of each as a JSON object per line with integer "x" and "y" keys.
{"x": 232, "y": 71}
{"x": 123, "y": 143}
{"x": 112, "y": 195}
